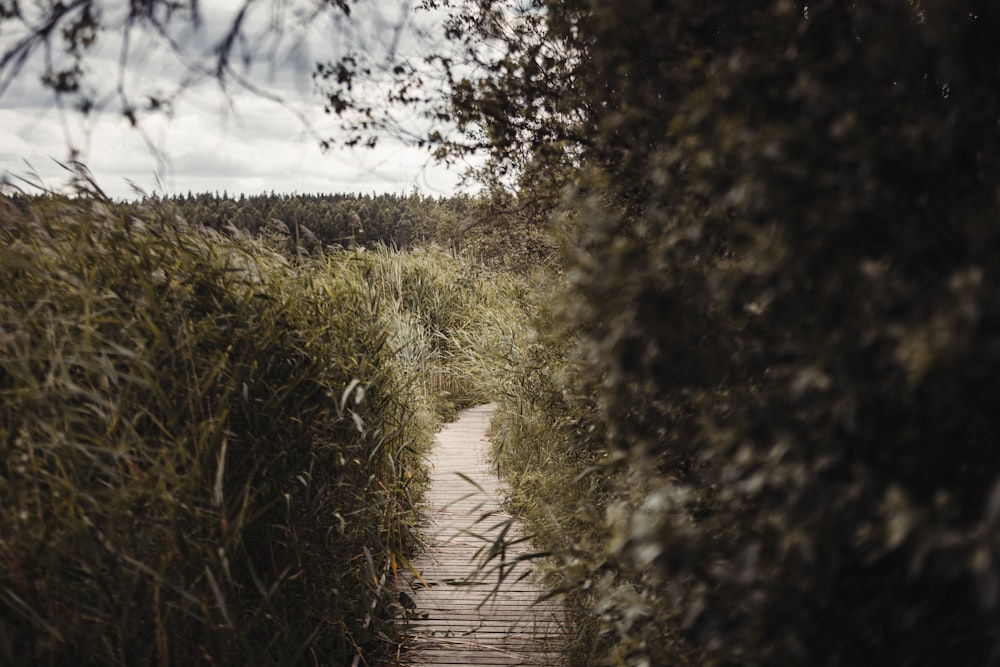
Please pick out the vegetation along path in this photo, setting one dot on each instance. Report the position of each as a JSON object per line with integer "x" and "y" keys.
{"x": 472, "y": 607}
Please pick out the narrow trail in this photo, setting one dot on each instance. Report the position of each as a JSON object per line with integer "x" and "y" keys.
{"x": 466, "y": 616}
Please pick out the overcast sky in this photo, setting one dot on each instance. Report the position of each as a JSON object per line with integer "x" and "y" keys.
{"x": 238, "y": 141}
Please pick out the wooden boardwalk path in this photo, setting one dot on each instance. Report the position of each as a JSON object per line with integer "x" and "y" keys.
{"x": 465, "y": 615}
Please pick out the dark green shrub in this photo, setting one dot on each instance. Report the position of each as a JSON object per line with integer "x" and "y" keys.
{"x": 801, "y": 344}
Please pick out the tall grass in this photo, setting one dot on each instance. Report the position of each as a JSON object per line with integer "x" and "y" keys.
{"x": 442, "y": 313}
{"x": 209, "y": 452}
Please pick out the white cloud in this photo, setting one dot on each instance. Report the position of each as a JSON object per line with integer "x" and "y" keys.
{"x": 211, "y": 141}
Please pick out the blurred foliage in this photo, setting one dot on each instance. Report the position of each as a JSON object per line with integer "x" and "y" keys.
{"x": 210, "y": 452}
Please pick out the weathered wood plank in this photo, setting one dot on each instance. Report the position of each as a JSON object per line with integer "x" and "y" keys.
{"x": 468, "y": 615}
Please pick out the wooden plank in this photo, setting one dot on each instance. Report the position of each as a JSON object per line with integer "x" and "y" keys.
{"x": 468, "y": 613}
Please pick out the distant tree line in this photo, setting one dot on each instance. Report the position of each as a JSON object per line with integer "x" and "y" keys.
{"x": 402, "y": 221}
{"x": 492, "y": 226}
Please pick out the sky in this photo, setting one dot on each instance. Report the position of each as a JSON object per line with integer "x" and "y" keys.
{"x": 234, "y": 141}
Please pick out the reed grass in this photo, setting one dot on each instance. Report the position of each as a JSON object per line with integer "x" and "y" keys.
{"x": 209, "y": 451}
{"x": 443, "y": 312}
